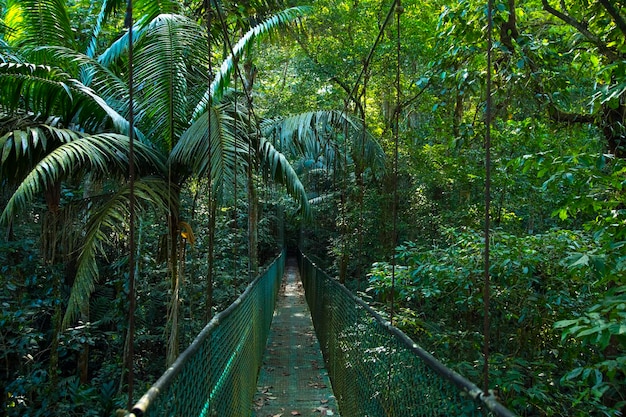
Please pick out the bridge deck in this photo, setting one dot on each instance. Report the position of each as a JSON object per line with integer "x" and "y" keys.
{"x": 293, "y": 380}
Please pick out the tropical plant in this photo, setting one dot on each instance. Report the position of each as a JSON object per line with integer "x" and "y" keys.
{"x": 167, "y": 49}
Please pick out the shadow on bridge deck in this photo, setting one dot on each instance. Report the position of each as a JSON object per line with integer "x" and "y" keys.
{"x": 293, "y": 380}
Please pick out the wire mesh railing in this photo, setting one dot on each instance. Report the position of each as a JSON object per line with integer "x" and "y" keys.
{"x": 216, "y": 375}
{"x": 375, "y": 369}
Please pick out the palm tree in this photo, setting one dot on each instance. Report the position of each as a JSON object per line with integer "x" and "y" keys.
{"x": 62, "y": 128}
{"x": 169, "y": 111}
{"x": 329, "y": 144}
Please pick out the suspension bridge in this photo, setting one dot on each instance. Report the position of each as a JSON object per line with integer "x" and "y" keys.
{"x": 261, "y": 357}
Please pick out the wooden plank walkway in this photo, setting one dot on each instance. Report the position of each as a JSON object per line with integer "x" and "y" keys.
{"x": 293, "y": 380}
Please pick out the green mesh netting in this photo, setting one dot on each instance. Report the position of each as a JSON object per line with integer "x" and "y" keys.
{"x": 216, "y": 375}
{"x": 375, "y": 369}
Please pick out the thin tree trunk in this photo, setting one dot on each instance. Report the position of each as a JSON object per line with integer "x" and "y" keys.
{"x": 172, "y": 343}
{"x": 210, "y": 257}
{"x": 89, "y": 188}
{"x": 253, "y": 231}
{"x": 51, "y": 224}
{"x": 83, "y": 357}
{"x": 49, "y": 253}
{"x": 458, "y": 115}
{"x": 57, "y": 318}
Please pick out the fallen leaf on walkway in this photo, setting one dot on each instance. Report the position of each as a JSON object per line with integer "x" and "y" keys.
{"x": 295, "y": 413}
{"x": 278, "y": 415}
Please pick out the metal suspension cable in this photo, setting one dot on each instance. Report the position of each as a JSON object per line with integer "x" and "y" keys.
{"x": 131, "y": 177}
{"x": 212, "y": 211}
{"x": 399, "y": 9}
{"x": 362, "y": 180}
{"x": 236, "y": 239}
{"x": 235, "y": 60}
{"x": 488, "y": 120}
{"x": 370, "y": 55}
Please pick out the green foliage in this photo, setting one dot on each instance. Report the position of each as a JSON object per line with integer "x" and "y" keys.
{"x": 604, "y": 327}
{"x": 535, "y": 287}
{"x": 557, "y": 196}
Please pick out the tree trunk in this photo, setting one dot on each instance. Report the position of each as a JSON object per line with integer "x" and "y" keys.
{"x": 210, "y": 258}
{"x": 613, "y": 128}
{"x": 57, "y": 318}
{"x": 250, "y": 71}
{"x": 253, "y": 230}
{"x": 173, "y": 319}
{"x": 49, "y": 253}
{"x": 50, "y": 235}
{"x": 343, "y": 260}
{"x": 83, "y": 356}
{"x": 458, "y": 114}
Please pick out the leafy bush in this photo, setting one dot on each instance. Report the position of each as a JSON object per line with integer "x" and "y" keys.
{"x": 535, "y": 284}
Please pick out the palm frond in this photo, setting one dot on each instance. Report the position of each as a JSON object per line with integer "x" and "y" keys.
{"x": 45, "y": 22}
{"x": 147, "y": 9}
{"x": 107, "y": 84}
{"x": 314, "y": 135}
{"x": 211, "y": 153}
{"x": 151, "y": 9}
{"x": 160, "y": 61}
{"x": 113, "y": 215}
{"x": 105, "y": 10}
{"x": 292, "y": 132}
{"x": 103, "y": 155}
{"x": 222, "y": 78}
{"x": 366, "y": 150}
{"x": 119, "y": 48}
{"x": 322, "y": 198}
{"x": 26, "y": 139}
{"x": 48, "y": 91}
{"x": 7, "y": 52}
{"x": 278, "y": 168}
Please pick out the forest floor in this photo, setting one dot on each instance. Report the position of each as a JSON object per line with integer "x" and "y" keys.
{"x": 293, "y": 380}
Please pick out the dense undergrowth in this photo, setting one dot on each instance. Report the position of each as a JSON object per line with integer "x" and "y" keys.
{"x": 552, "y": 353}
{"x": 386, "y": 141}
{"x": 88, "y": 378}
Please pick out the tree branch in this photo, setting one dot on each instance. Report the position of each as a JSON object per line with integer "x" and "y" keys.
{"x": 333, "y": 77}
{"x": 615, "y": 14}
{"x": 582, "y": 28}
{"x": 561, "y": 116}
